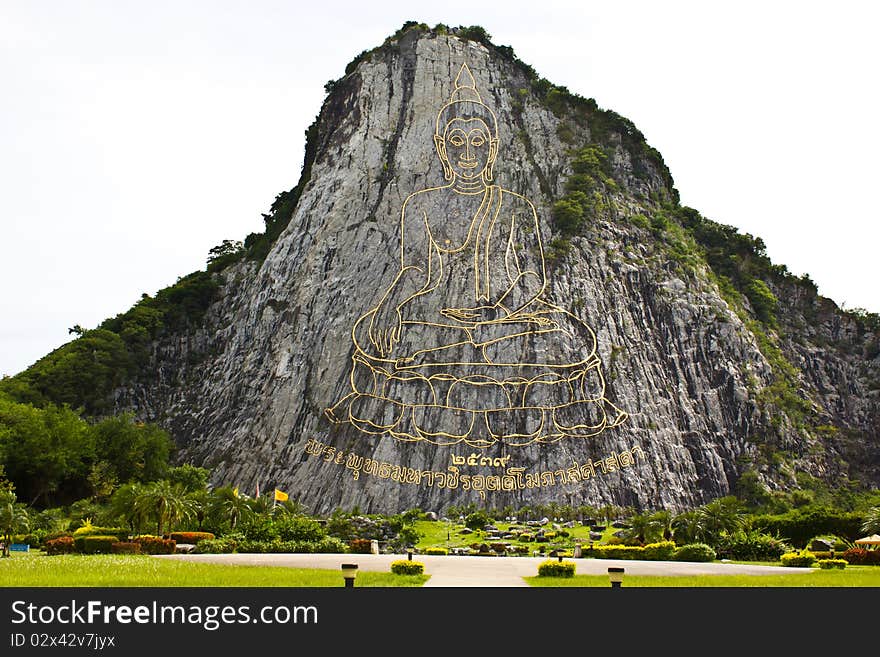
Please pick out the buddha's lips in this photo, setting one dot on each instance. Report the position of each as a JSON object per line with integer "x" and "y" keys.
{"x": 467, "y": 165}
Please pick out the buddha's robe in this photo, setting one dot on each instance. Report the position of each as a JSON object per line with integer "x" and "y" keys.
{"x": 530, "y": 374}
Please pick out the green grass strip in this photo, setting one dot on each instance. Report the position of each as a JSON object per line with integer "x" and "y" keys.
{"x": 852, "y": 576}
{"x": 141, "y": 570}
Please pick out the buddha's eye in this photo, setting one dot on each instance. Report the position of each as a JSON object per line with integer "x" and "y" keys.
{"x": 477, "y": 141}
{"x": 456, "y": 140}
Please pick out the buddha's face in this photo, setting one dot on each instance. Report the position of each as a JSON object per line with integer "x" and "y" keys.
{"x": 468, "y": 147}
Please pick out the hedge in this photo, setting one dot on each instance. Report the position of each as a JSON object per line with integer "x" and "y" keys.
{"x": 406, "y": 567}
{"x": 436, "y": 550}
{"x": 802, "y": 559}
{"x": 191, "y": 537}
{"x": 862, "y": 557}
{"x": 156, "y": 544}
{"x": 360, "y": 545}
{"x": 661, "y": 551}
{"x": 225, "y": 545}
{"x": 832, "y": 563}
{"x": 94, "y": 544}
{"x": 60, "y": 545}
{"x": 551, "y": 568}
{"x": 121, "y": 533}
{"x": 125, "y": 547}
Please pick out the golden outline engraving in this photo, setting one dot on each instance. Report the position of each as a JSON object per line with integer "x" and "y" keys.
{"x": 512, "y": 479}
{"x": 434, "y": 368}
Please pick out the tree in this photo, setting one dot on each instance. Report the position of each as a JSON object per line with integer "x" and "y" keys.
{"x": 45, "y": 451}
{"x": 644, "y": 528}
{"x": 137, "y": 451}
{"x": 719, "y": 517}
{"x": 13, "y": 519}
{"x": 124, "y": 504}
{"x": 190, "y": 477}
{"x": 165, "y": 503}
{"x": 229, "y": 505}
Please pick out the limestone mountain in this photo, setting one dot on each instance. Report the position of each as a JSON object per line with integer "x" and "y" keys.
{"x": 484, "y": 289}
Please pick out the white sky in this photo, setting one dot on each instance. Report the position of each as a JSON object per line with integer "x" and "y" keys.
{"x": 134, "y": 135}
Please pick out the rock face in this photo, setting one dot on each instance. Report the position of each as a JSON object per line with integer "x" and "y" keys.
{"x": 626, "y": 379}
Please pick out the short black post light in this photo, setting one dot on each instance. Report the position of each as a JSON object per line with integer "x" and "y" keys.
{"x": 349, "y": 572}
{"x": 616, "y": 577}
{"x": 409, "y": 554}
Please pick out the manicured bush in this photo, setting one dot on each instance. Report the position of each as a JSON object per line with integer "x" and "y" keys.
{"x": 802, "y": 559}
{"x": 661, "y": 551}
{"x": 862, "y": 557}
{"x": 360, "y": 545}
{"x": 618, "y": 552}
{"x": 125, "y": 547}
{"x": 155, "y": 544}
{"x": 436, "y": 550}
{"x": 191, "y": 537}
{"x": 827, "y": 564}
{"x": 552, "y": 568}
{"x": 60, "y": 545}
{"x": 327, "y": 545}
{"x": 694, "y": 552}
{"x": 405, "y": 567}
{"x": 94, "y": 544}
{"x": 93, "y": 530}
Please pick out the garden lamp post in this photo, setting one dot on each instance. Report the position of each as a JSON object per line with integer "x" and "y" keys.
{"x": 349, "y": 572}
{"x": 616, "y": 577}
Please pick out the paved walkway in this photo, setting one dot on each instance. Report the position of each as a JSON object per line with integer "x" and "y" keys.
{"x": 466, "y": 571}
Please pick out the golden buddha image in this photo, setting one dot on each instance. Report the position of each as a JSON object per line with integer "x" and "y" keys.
{"x": 462, "y": 346}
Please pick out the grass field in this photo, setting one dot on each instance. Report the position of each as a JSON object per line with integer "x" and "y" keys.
{"x": 851, "y": 576}
{"x": 36, "y": 569}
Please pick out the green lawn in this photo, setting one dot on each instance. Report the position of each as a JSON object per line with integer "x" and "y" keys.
{"x": 851, "y": 576}
{"x": 36, "y": 569}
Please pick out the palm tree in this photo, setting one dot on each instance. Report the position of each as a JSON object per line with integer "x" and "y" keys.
{"x": 166, "y": 503}
{"x": 663, "y": 520}
{"x": 644, "y": 528}
{"x": 722, "y": 516}
{"x": 13, "y": 519}
{"x": 227, "y": 503}
{"x": 686, "y": 527}
{"x": 124, "y": 504}
{"x": 872, "y": 521}
{"x": 201, "y": 505}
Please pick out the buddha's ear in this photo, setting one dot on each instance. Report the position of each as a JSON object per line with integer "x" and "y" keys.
{"x": 440, "y": 145}
{"x": 493, "y": 153}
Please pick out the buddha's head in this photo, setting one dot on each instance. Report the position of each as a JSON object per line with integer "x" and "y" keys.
{"x": 466, "y": 136}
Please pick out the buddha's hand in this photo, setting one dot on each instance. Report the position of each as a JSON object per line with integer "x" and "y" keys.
{"x": 385, "y": 328}
{"x": 476, "y": 315}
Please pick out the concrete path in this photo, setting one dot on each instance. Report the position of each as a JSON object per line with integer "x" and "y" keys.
{"x": 466, "y": 571}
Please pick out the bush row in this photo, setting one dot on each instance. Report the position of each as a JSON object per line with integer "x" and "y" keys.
{"x": 229, "y": 545}
{"x": 97, "y": 544}
{"x": 662, "y": 551}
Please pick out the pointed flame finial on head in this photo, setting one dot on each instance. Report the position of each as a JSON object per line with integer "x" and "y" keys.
{"x": 465, "y": 86}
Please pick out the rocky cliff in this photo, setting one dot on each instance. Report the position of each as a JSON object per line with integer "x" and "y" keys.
{"x": 651, "y": 363}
